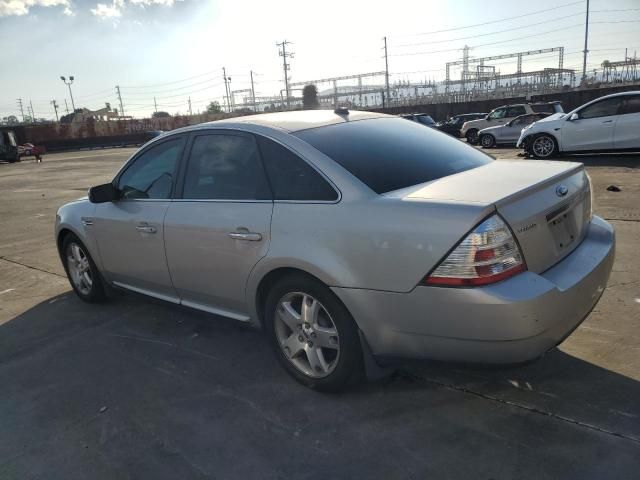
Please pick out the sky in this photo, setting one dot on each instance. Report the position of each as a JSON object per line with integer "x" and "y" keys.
{"x": 176, "y": 49}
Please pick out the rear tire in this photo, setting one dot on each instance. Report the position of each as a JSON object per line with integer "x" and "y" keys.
{"x": 487, "y": 140}
{"x": 543, "y": 146}
{"x": 312, "y": 333}
{"x": 472, "y": 136}
{"x": 83, "y": 275}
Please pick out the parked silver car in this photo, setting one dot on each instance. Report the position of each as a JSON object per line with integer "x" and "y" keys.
{"x": 509, "y": 133}
{"x": 348, "y": 237}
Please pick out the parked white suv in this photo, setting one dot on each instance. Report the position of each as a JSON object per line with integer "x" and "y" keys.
{"x": 605, "y": 124}
{"x": 501, "y": 115}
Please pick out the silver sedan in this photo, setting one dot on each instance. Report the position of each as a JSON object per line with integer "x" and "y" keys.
{"x": 509, "y": 133}
{"x": 350, "y": 237}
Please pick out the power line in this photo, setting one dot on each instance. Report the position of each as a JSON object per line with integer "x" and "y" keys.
{"x": 487, "y": 44}
{"x": 173, "y": 89}
{"x": 169, "y": 83}
{"x": 486, "y": 34}
{"x": 493, "y": 21}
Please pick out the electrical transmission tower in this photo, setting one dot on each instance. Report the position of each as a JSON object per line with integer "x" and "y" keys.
{"x": 282, "y": 51}
{"x": 55, "y": 107}
{"x": 120, "y": 100}
{"x": 21, "y": 107}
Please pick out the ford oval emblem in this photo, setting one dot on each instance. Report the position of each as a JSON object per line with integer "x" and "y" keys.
{"x": 562, "y": 190}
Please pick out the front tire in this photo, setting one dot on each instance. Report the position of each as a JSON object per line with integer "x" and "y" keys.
{"x": 312, "y": 333}
{"x": 487, "y": 140}
{"x": 472, "y": 136}
{"x": 82, "y": 272}
{"x": 543, "y": 146}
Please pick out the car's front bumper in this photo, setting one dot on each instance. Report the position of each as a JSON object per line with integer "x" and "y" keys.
{"x": 512, "y": 321}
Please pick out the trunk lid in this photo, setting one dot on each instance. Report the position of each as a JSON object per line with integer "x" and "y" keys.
{"x": 546, "y": 204}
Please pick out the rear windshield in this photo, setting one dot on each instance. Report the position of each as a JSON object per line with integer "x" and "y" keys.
{"x": 388, "y": 154}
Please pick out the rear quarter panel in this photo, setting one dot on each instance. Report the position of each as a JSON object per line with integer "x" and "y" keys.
{"x": 382, "y": 244}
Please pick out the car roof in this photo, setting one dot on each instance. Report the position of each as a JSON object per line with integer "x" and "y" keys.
{"x": 299, "y": 119}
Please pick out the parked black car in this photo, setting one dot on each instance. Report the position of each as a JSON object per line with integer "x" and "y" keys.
{"x": 9, "y": 146}
{"x": 422, "y": 118}
{"x": 454, "y": 124}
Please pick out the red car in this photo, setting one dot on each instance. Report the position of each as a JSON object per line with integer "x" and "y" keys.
{"x": 29, "y": 149}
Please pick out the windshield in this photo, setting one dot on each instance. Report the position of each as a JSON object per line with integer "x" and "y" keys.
{"x": 388, "y": 154}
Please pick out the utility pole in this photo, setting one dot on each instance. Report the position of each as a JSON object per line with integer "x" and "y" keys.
{"x": 68, "y": 84}
{"x": 226, "y": 88}
{"x": 285, "y": 66}
{"x": 190, "y": 111}
{"x": 386, "y": 70}
{"x": 20, "y": 106}
{"x": 155, "y": 104}
{"x": 120, "y": 99}
{"x": 253, "y": 93}
{"x": 55, "y": 107}
{"x": 586, "y": 39}
{"x": 33, "y": 115}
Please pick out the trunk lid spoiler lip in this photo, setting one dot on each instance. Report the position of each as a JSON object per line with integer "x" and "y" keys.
{"x": 426, "y": 192}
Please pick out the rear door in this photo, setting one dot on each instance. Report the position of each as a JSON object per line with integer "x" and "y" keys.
{"x": 219, "y": 226}
{"x": 594, "y": 127}
{"x": 627, "y": 128}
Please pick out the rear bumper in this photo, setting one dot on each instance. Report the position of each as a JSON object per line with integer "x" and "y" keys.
{"x": 509, "y": 322}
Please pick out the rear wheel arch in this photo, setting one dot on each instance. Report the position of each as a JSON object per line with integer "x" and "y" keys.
{"x": 270, "y": 279}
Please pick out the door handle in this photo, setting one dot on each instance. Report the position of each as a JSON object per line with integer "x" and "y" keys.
{"x": 145, "y": 228}
{"x": 607, "y": 121}
{"x": 247, "y": 236}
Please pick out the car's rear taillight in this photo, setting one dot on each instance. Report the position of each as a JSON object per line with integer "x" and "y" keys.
{"x": 488, "y": 254}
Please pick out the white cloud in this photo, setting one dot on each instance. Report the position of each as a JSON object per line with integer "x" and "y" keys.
{"x": 109, "y": 11}
{"x": 152, "y": 2}
{"x": 117, "y": 7}
{"x": 21, "y": 7}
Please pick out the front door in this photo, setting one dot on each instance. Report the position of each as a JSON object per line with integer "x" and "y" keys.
{"x": 130, "y": 231}
{"x": 593, "y": 129}
{"x": 219, "y": 228}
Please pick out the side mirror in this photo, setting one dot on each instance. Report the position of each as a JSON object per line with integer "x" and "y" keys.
{"x": 574, "y": 116}
{"x": 104, "y": 193}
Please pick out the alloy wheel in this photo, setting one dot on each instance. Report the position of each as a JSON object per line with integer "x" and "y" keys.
{"x": 487, "y": 141}
{"x": 307, "y": 334}
{"x": 543, "y": 146}
{"x": 79, "y": 268}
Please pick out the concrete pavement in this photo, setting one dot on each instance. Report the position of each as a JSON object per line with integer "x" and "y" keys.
{"x": 138, "y": 389}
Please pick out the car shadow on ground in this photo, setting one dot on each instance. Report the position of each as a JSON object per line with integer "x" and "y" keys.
{"x": 158, "y": 391}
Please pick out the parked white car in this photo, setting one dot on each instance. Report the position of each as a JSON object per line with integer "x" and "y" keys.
{"x": 610, "y": 123}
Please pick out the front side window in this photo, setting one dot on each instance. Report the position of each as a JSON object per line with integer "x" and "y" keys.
{"x": 151, "y": 174}
{"x": 388, "y": 154}
{"x": 497, "y": 114}
{"x": 603, "y": 108}
{"x": 225, "y": 167}
{"x": 291, "y": 177}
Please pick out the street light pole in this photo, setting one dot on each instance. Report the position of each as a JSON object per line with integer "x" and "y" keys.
{"x": 68, "y": 84}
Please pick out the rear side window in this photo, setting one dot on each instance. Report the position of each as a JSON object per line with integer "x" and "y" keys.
{"x": 291, "y": 177}
{"x": 631, "y": 104}
{"x": 515, "y": 111}
{"x": 543, "y": 108}
{"x": 387, "y": 154}
{"x": 225, "y": 167}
